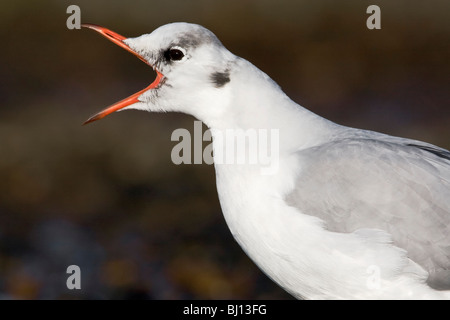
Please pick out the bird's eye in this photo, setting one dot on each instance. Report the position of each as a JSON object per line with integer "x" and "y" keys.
{"x": 174, "y": 54}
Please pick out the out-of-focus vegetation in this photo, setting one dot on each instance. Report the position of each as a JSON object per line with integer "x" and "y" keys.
{"x": 107, "y": 197}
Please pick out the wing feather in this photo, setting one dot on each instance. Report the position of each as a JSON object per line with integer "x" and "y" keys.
{"x": 396, "y": 185}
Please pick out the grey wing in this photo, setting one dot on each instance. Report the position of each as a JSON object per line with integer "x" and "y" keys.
{"x": 397, "y": 185}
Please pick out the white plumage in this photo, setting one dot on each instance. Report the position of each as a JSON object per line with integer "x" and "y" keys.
{"x": 349, "y": 214}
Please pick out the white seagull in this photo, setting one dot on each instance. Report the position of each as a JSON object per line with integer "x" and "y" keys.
{"x": 348, "y": 214}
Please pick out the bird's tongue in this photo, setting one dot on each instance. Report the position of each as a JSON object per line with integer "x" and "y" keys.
{"x": 119, "y": 40}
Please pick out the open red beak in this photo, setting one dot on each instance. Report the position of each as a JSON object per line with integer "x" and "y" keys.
{"x": 118, "y": 39}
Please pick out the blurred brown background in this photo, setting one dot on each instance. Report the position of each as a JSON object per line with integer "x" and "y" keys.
{"x": 107, "y": 197}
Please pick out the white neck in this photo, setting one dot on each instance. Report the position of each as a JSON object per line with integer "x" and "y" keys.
{"x": 255, "y": 101}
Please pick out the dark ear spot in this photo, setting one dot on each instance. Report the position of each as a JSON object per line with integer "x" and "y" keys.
{"x": 219, "y": 79}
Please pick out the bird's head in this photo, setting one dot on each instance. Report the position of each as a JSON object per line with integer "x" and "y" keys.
{"x": 192, "y": 69}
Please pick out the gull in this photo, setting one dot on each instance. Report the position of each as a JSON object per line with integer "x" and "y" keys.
{"x": 347, "y": 214}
